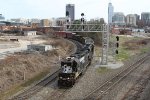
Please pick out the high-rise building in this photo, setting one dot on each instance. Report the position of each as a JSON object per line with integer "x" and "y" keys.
{"x": 70, "y": 10}
{"x": 118, "y": 19}
{"x": 145, "y": 18}
{"x": 137, "y": 19}
{"x": 2, "y": 18}
{"x": 131, "y": 20}
{"x": 45, "y": 23}
{"x": 110, "y": 13}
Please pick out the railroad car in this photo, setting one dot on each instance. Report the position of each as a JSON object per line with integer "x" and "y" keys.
{"x": 76, "y": 64}
{"x": 13, "y": 39}
{"x": 63, "y": 34}
{"x": 79, "y": 38}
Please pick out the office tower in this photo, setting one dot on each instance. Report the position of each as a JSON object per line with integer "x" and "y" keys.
{"x": 131, "y": 20}
{"x": 145, "y": 18}
{"x": 137, "y": 19}
{"x": 110, "y": 13}
{"x": 118, "y": 19}
{"x": 2, "y": 18}
{"x": 70, "y": 10}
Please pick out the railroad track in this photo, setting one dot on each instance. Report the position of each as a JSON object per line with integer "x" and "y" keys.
{"x": 100, "y": 91}
{"x": 37, "y": 87}
{"x": 44, "y": 82}
{"x": 136, "y": 90}
{"x": 56, "y": 94}
{"x": 79, "y": 45}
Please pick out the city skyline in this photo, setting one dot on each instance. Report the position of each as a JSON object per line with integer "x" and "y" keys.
{"x": 56, "y": 8}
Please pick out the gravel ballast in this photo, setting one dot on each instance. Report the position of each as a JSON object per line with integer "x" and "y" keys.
{"x": 92, "y": 79}
{"x": 85, "y": 84}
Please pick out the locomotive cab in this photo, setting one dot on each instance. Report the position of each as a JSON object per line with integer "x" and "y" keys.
{"x": 67, "y": 74}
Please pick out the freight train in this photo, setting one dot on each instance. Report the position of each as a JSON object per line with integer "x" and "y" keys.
{"x": 76, "y": 64}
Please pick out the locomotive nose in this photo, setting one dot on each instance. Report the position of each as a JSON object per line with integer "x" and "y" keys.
{"x": 65, "y": 83}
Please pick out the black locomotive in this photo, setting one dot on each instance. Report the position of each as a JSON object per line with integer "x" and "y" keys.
{"x": 76, "y": 64}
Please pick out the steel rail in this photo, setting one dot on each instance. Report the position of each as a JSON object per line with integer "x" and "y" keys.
{"x": 28, "y": 93}
{"x": 110, "y": 83}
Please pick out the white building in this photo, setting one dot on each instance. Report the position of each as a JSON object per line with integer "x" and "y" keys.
{"x": 131, "y": 20}
{"x": 60, "y": 21}
{"x": 20, "y": 20}
{"x": 39, "y": 47}
{"x": 110, "y": 13}
{"x": 29, "y": 33}
{"x": 52, "y": 22}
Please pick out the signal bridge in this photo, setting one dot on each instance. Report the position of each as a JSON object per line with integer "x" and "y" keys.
{"x": 86, "y": 27}
{"x": 99, "y": 28}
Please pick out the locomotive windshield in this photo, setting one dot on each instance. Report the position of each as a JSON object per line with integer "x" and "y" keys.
{"x": 66, "y": 67}
{"x": 69, "y": 66}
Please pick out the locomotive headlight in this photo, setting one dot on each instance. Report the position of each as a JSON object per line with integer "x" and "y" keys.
{"x": 60, "y": 77}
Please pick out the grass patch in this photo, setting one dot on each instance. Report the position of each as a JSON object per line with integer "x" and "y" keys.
{"x": 124, "y": 52}
{"x": 10, "y": 92}
{"x": 17, "y": 88}
{"x": 102, "y": 69}
{"x": 122, "y": 55}
{"x": 144, "y": 50}
{"x": 36, "y": 78}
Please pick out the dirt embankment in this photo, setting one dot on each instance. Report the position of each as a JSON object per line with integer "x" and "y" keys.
{"x": 21, "y": 67}
{"x": 136, "y": 44}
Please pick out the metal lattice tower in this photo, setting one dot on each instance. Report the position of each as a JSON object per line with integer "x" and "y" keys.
{"x": 105, "y": 44}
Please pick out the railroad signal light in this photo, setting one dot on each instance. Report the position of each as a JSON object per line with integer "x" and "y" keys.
{"x": 116, "y": 51}
{"x": 82, "y": 14}
{"x": 82, "y": 20}
{"x": 82, "y": 27}
{"x": 67, "y": 20}
{"x": 117, "y": 37}
{"x": 67, "y": 26}
{"x": 117, "y": 44}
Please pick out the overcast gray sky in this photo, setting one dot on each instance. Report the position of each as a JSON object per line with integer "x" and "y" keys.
{"x": 56, "y": 8}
